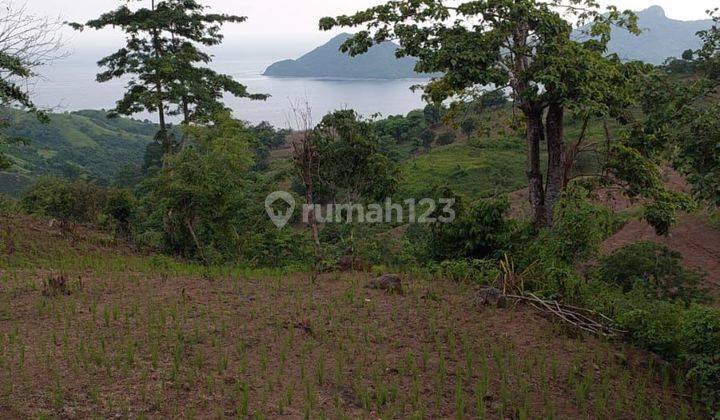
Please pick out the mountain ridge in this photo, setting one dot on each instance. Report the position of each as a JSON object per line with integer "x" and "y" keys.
{"x": 661, "y": 38}
{"x": 326, "y": 61}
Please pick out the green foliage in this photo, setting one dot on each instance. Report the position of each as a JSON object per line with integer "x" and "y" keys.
{"x": 351, "y": 165}
{"x": 14, "y": 70}
{"x": 574, "y": 72}
{"x": 68, "y": 201}
{"x": 475, "y": 171}
{"x": 468, "y": 127}
{"x": 272, "y": 247}
{"x": 446, "y": 138}
{"x": 121, "y": 206}
{"x": 709, "y": 54}
{"x": 480, "y": 271}
{"x": 580, "y": 229}
{"x": 166, "y": 66}
{"x": 652, "y": 324}
{"x": 699, "y": 152}
{"x": 700, "y": 338}
{"x": 640, "y": 175}
{"x": 480, "y": 231}
{"x": 404, "y": 129}
{"x": 8, "y": 206}
{"x": 688, "y": 335}
{"x": 200, "y": 194}
{"x": 84, "y": 142}
{"x": 658, "y": 268}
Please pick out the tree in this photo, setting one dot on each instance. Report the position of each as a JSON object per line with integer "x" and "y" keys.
{"x": 27, "y": 42}
{"x": 691, "y": 116}
{"x": 351, "y": 165}
{"x": 200, "y": 195}
{"x": 709, "y": 54}
{"x": 524, "y": 45}
{"x": 306, "y": 160}
{"x": 168, "y": 70}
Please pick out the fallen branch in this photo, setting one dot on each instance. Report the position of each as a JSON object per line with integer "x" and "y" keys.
{"x": 579, "y": 318}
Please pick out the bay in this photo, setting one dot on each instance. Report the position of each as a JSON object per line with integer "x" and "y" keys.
{"x": 69, "y": 85}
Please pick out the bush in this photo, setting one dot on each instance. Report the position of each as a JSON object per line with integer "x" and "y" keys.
{"x": 446, "y": 138}
{"x": 468, "y": 127}
{"x": 8, "y": 206}
{"x": 652, "y": 324}
{"x": 480, "y": 271}
{"x": 580, "y": 228}
{"x": 479, "y": 232}
{"x": 670, "y": 329}
{"x": 121, "y": 206}
{"x": 67, "y": 201}
{"x": 655, "y": 266}
{"x": 700, "y": 341}
{"x": 278, "y": 248}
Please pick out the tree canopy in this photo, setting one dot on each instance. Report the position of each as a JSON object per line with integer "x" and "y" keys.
{"x": 169, "y": 70}
{"x": 525, "y": 46}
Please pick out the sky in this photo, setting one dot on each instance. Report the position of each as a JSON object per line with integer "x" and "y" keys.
{"x": 289, "y": 22}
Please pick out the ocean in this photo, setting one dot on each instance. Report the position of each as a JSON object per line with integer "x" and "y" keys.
{"x": 69, "y": 85}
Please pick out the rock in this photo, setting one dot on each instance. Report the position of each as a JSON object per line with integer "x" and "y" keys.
{"x": 490, "y": 296}
{"x": 388, "y": 282}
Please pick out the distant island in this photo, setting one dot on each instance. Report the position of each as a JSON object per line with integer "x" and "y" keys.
{"x": 327, "y": 61}
{"x": 662, "y": 37}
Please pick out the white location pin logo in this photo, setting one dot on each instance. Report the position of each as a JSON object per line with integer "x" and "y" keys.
{"x": 279, "y": 218}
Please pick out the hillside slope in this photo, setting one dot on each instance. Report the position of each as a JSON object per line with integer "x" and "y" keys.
{"x": 135, "y": 336}
{"x": 84, "y": 143}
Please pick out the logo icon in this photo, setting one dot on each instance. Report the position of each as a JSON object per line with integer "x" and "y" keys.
{"x": 280, "y": 218}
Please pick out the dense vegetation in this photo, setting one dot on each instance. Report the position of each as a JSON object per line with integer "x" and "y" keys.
{"x": 599, "y": 127}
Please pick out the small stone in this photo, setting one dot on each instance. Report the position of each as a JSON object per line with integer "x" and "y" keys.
{"x": 490, "y": 296}
{"x": 387, "y": 282}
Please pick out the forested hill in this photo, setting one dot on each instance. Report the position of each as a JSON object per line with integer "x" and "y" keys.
{"x": 379, "y": 62}
{"x": 77, "y": 144}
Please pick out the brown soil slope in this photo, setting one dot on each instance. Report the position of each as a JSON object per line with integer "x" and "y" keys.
{"x": 144, "y": 337}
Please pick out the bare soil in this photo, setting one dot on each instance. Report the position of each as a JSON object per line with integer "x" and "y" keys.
{"x": 141, "y": 339}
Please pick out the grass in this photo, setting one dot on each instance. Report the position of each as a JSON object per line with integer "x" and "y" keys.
{"x": 147, "y": 336}
{"x": 477, "y": 169}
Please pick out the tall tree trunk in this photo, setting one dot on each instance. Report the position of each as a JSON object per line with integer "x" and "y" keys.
{"x": 164, "y": 135}
{"x": 556, "y": 159}
{"x": 186, "y": 122}
{"x": 533, "y": 135}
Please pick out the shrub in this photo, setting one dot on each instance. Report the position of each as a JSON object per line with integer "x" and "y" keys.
{"x": 651, "y": 323}
{"x": 67, "y": 201}
{"x": 276, "y": 248}
{"x": 714, "y": 218}
{"x": 468, "y": 127}
{"x": 478, "y": 232}
{"x": 446, "y": 138}
{"x": 700, "y": 341}
{"x": 580, "y": 228}
{"x": 8, "y": 206}
{"x": 656, "y": 266}
{"x": 121, "y": 206}
{"x": 480, "y": 271}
